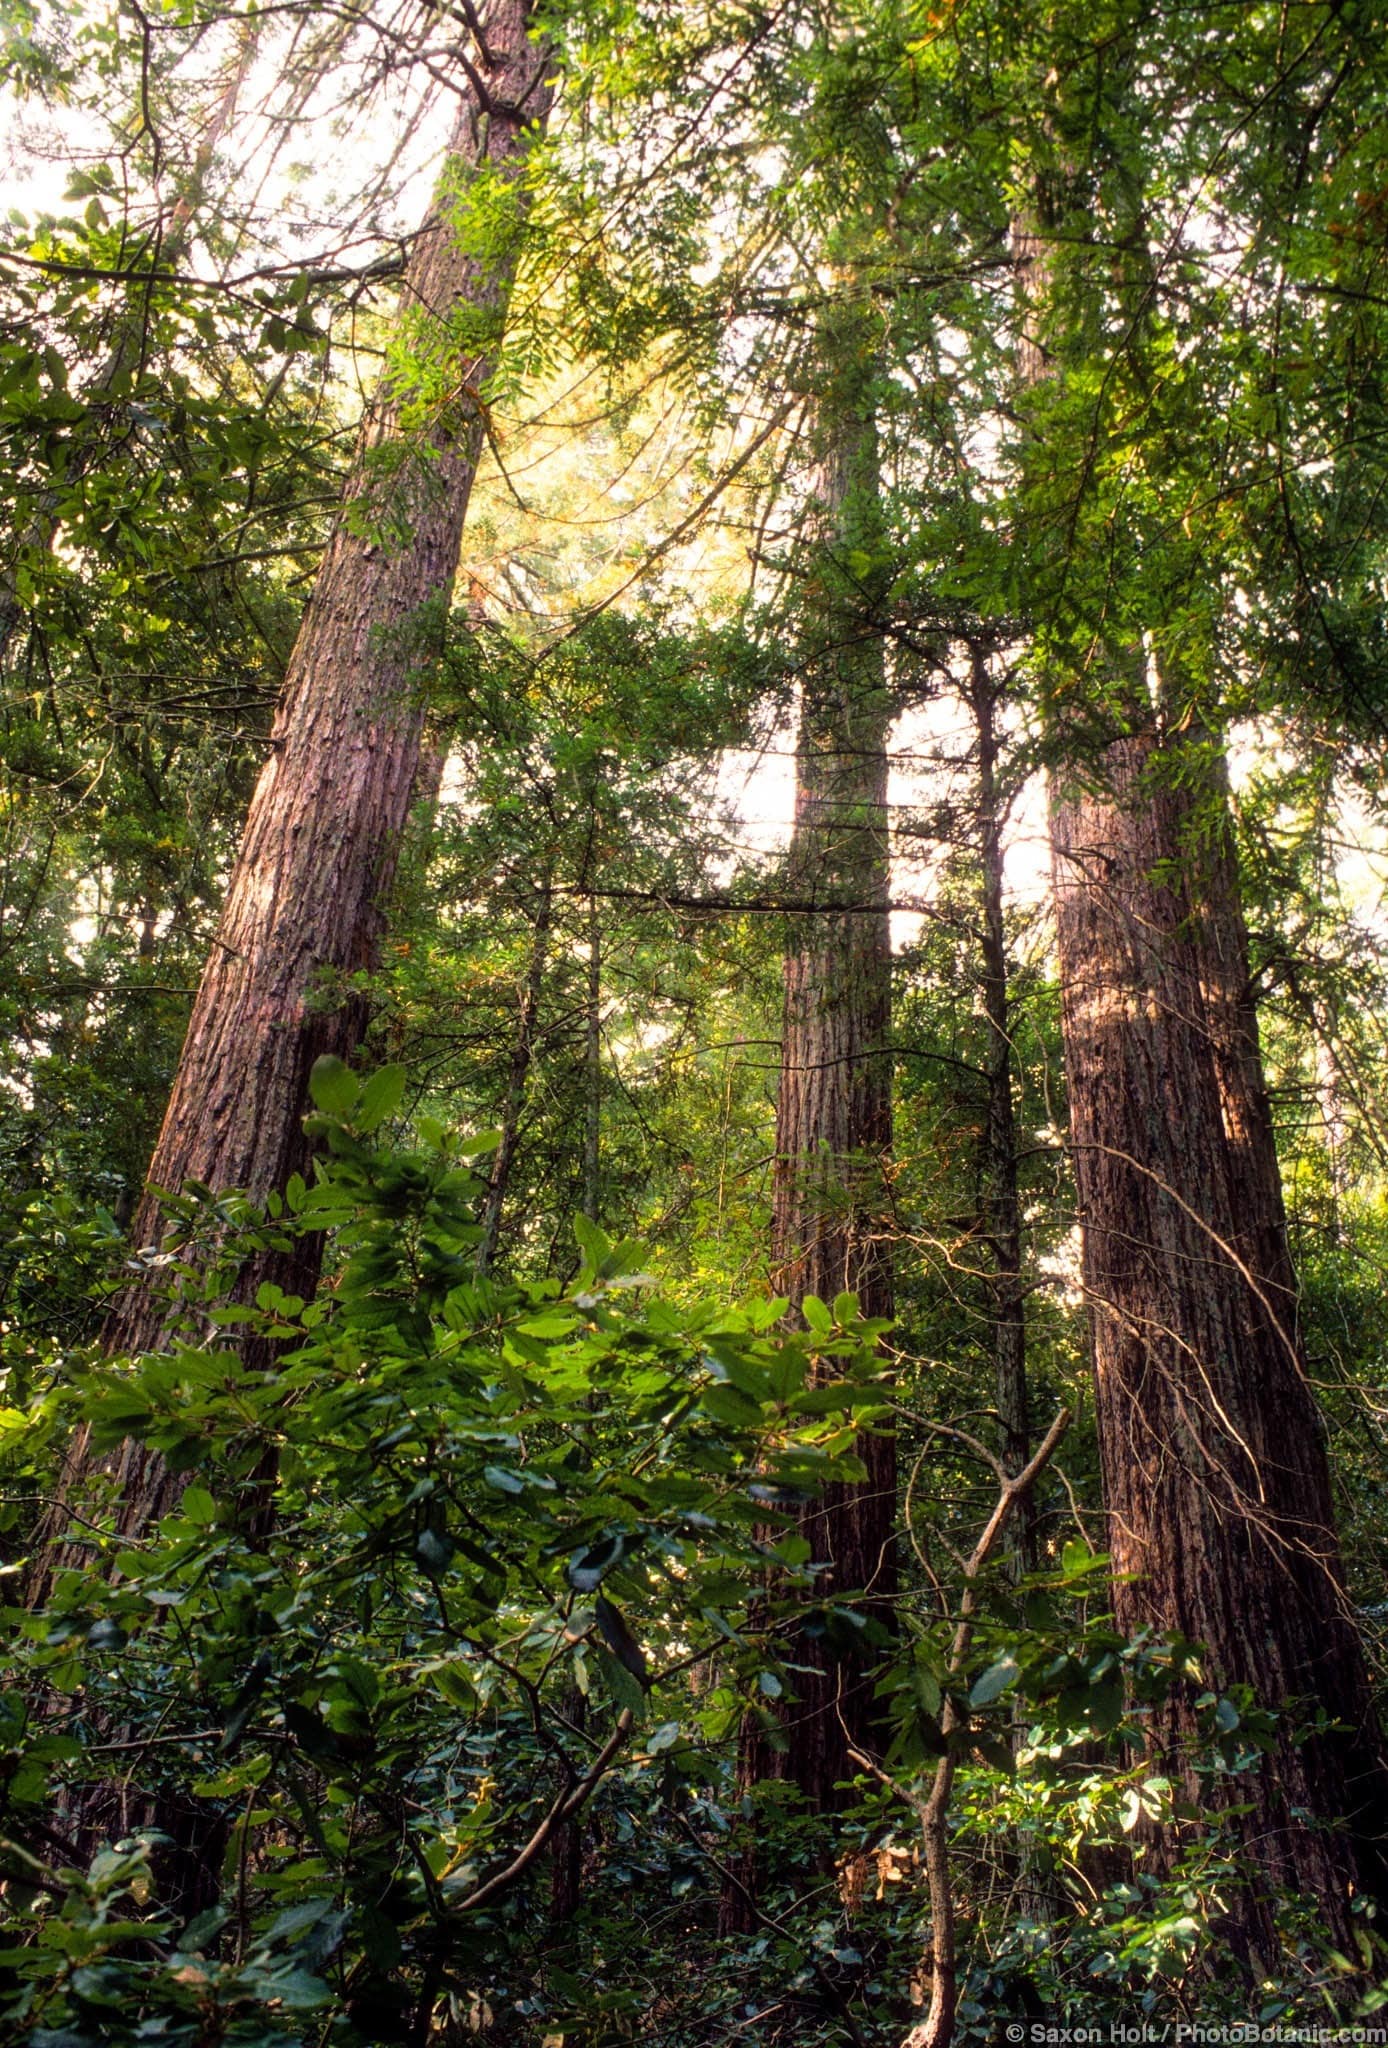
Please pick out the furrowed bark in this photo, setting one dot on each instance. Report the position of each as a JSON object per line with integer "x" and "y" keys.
{"x": 303, "y": 911}
{"x": 1216, "y": 1477}
{"x": 833, "y": 1141}
{"x": 1002, "y": 1202}
{"x": 830, "y": 1222}
{"x": 1217, "y": 1482}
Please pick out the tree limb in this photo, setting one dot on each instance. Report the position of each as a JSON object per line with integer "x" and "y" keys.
{"x": 563, "y": 1809}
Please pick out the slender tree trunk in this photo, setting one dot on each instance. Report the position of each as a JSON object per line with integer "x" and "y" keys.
{"x": 303, "y": 910}
{"x": 592, "y": 1071}
{"x": 566, "y": 1843}
{"x": 1002, "y": 1212}
{"x": 1002, "y": 1202}
{"x": 522, "y": 1053}
{"x": 830, "y": 1221}
{"x": 1216, "y": 1478}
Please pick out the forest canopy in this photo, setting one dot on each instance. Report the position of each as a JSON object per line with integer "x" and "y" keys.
{"x": 693, "y": 1118}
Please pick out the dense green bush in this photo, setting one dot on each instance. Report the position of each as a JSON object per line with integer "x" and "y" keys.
{"x": 477, "y": 1578}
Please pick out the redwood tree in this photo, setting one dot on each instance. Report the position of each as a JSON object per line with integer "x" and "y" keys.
{"x": 303, "y": 910}
{"x": 1212, "y": 1450}
{"x": 830, "y": 1220}
{"x": 1212, "y": 1453}
{"x": 1216, "y": 1478}
{"x": 1002, "y": 1203}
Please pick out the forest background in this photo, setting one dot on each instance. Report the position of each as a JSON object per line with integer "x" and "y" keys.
{"x": 691, "y": 1091}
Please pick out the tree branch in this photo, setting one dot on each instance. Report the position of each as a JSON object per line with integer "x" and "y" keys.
{"x": 563, "y": 1809}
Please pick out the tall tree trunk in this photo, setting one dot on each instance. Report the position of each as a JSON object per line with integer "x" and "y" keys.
{"x": 522, "y": 1053}
{"x": 1209, "y": 852}
{"x": 830, "y": 1220}
{"x": 1002, "y": 1217}
{"x": 304, "y": 905}
{"x": 1216, "y": 1478}
{"x": 1001, "y": 1201}
{"x": 592, "y": 1070}
{"x": 830, "y": 1226}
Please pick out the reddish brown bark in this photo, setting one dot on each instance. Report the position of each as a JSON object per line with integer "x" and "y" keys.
{"x": 304, "y": 905}
{"x": 830, "y": 1223}
{"x": 1231, "y": 1015}
{"x": 1213, "y": 1453}
{"x": 1216, "y": 1478}
{"x": 1002, "y": 1207}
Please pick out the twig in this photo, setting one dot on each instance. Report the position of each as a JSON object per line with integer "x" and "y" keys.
{"x": 724, "y": 1871}
{"x": 937, "y": 2028}
{"x": 563, "y": 1809}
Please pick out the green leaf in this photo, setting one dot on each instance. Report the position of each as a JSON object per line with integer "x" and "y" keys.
{"x": 1105, "y": 1706}
{"x": 995, "y": 1752}
{"x": 475, "y": 1146}
{"x": 470, "y": 1548}
{"x": 592, "y": 1242}
{"x": 203, "y": 1929}
{"x": 817, "y": 1316}
{"x": 559, "y": 1323}
{"x": 333, "y": 1085}
{"x": 434, "y": 1549}
{"x": 926, "y": 1687}
{"x": 728, "y": 1406}
{"x": 243, "y": 1706}
{"x": 454, "y": 1682}
{"x": 994, "y": 1681}
{"x": 619, "y": 1639}
{"x": 587, "y": 1568}
{"x": 295, "y": 1919}
{"x": 380, "y": 1098}
{"x": 826, "y": 1400}
{"x": 624, "y": 1689}
{"x": 743, "y": 1373}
